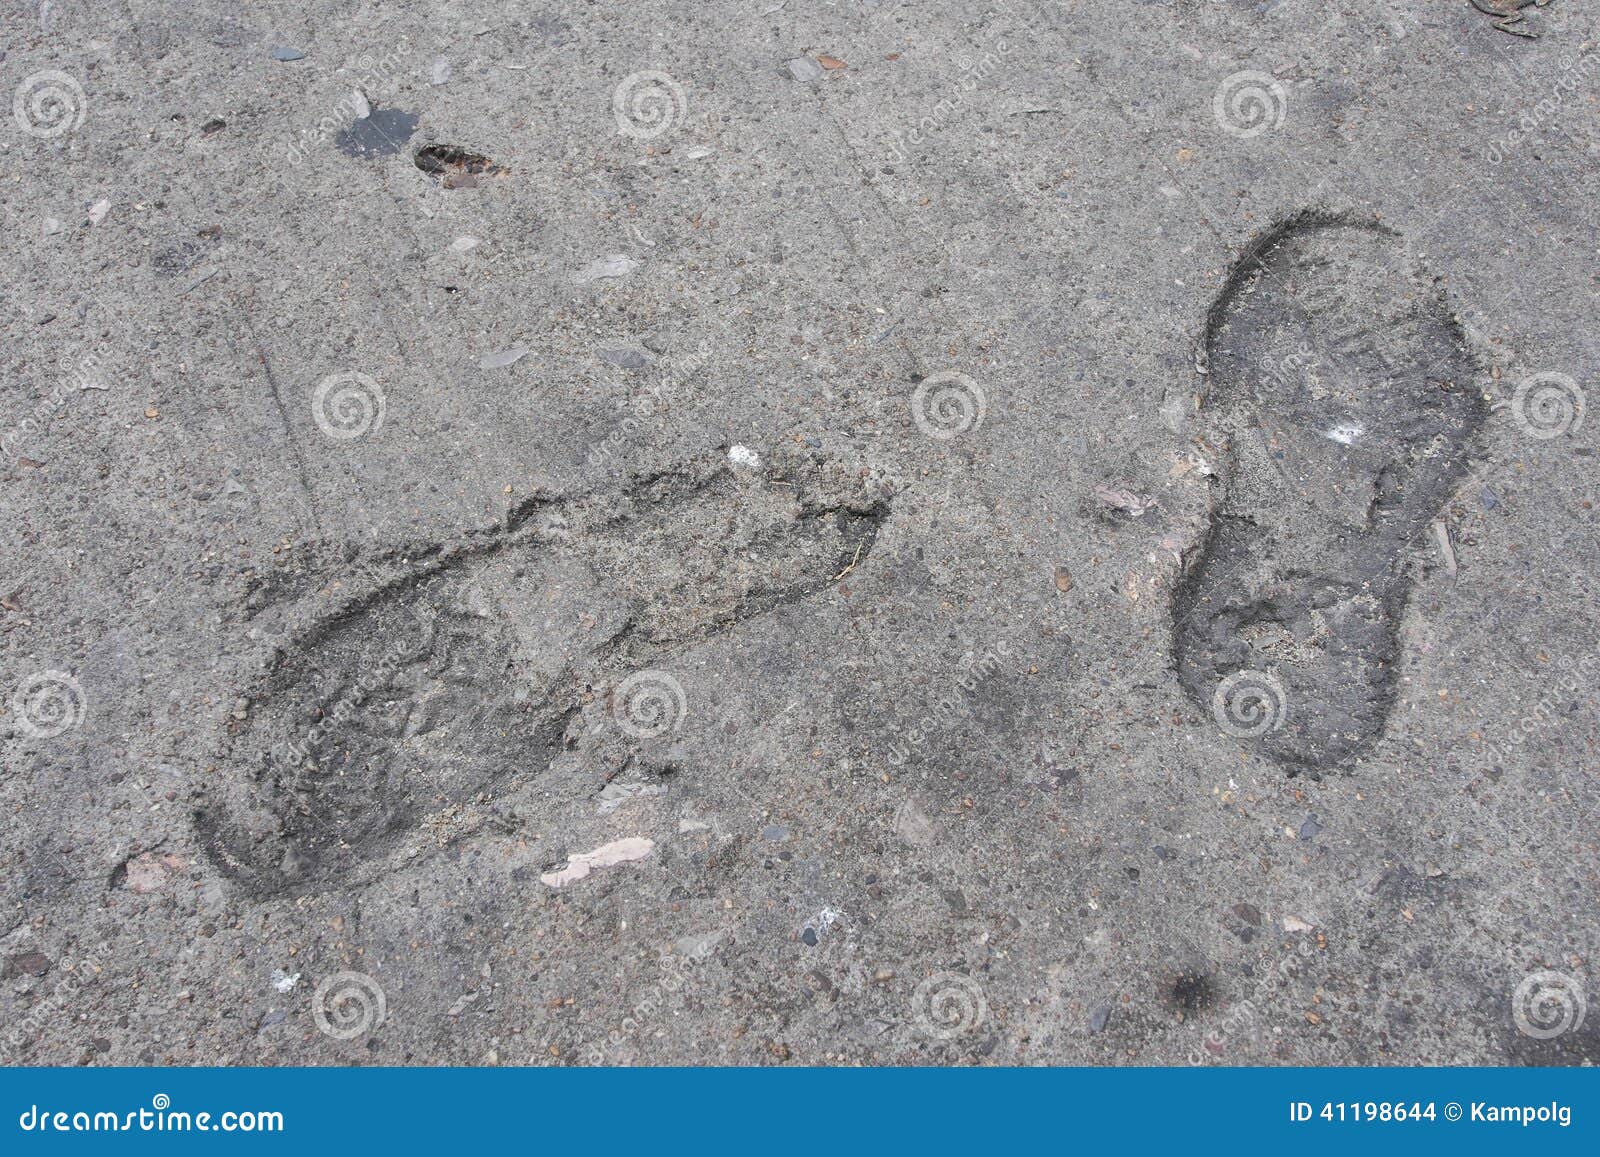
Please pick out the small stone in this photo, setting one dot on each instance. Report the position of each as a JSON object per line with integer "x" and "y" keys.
{"x": 1310, "y": 829}
{"x": 776, "y": 833}
{"x": 362, "y": 106}
{"x": 27, "y": 964}
{"x": 804, "y": 69}
{"x": 1249, "y": 913}
{"x": 1295, "y": 924}
{"x": 809, "y": 937}
{"x": 51, "y": 226}
{"x": 275, "y": 1016}
{"x": 658, "y": 342}
{"x": 502, "y": 358}
{"x": 98, "y": 211}
{"x": 285, "y": 53}
{"x": 442, "y": 71}
{"x": 1098, "y": 1018}
{"x": 1063, "y": 579}
{"x": 617, "y": 265}
{"x": 464, "y": 244}
{"x": 626, "y": 357}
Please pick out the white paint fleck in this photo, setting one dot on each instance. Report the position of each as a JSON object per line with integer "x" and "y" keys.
{"x": 283, "y": 982}
{"x": 464, "y": 244}
{"x": 614, "y": 795}
{"x": 98, "y": 211}
{"x": 744, "y": 456}
{"x": 1346, "y": 434}
{"x": 616, "y": 852}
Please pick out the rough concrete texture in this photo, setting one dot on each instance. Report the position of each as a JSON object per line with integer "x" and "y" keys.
{"x": 798, "y": 533}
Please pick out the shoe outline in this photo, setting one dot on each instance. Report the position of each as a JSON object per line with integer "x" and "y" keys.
{"x": 1346, "y": 388}
{"x": 427, "y": 667}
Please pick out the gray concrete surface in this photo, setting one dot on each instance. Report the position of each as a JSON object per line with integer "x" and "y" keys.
{"x": 726, "y": 534}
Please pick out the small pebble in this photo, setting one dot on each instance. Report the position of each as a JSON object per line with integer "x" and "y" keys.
{"x": 804, "y": 69}
{"x": 286, "y": 54}
{"x": 626, "y": 357}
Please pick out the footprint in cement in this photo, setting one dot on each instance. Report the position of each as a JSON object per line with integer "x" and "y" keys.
{"x": 1342, "y": 385}
{"x": 463, "y": 676}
